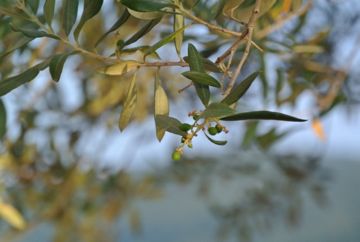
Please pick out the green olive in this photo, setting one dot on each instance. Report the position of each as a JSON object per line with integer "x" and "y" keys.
{"x": 196, "y": 117}
{"x": 219, "y": 128}
{"x": 212, "y": 130}
{"x": 185, "y": 127}
{"x": 176, "y": 155}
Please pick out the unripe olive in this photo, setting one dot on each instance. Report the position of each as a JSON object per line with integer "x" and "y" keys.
{"x": 176, "y": 155}
{"x": 185, "y": 127}
{"x": 196, "y": 117}
{"x": 212, "y": 130}
{"x": 219, "y": 128}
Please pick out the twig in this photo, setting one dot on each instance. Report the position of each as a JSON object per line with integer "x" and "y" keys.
{"x": 184, "y": 88}
{"x": 251, "y": 27}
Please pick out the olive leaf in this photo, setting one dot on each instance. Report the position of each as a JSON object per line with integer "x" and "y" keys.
{"x": 13, "y": 82}
{"x": 129, "y": 104}
{"x": 147, "y": 5}
{"x": 170, "y": 124}
{"x": 217, "y": 142}
{"x": 121, "y": 68}
{"x": 207, "y": 64}
{"x": 33, "y": 33}
{"x": 217, "y": 110}
{"x": 33, "y": 4}
{"x": 123, "y": 18}
{"x": 3, "y": 118}
{"x": 263, "y": 115}
{"x": 238, "y": 91}
{"x": 11, "y": 215}
{"x": 164, "y": 41}
{"x": 196, "y": 64}
{"x": 201, "y": 78}
{"x": 145, "y": 15}
{"x": 70, "y": 15}
{"x": 179, "y": 22}
{"x": 161, "y": 103}
{"x": 143, "y": 31}
{"x": 49, "y": 9}
{"x": 91, "y": 8}
{"x": 57, "y": 64}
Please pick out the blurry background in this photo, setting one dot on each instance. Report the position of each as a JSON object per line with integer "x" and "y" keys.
{"x": 72, "y": 175}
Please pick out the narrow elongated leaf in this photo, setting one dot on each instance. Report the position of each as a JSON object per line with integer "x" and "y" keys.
{"x": 145, "y": 15}
{"x": 129, "y": 104}
{"x": 217, "y": 110}
{"x": 11, "y": 216}
{"x": 121, "y": 68}
{"x": 238, "y": 91}
{"x": 195, "y": 59}
{"x": 18, "y": 45}
{"x": 33, "y": 33}
{"x": 161, "y": 106}
{"x": 264, "y": 115}
{"x": 207, "y": 64}
{"x": 147, "y": 5}
{"x": 11, "y": 83}
{"x": 196, "y": 64}
{"x": 57, "y": 64}
{"x": 33, "y": 4}
{"x": 143, "y": 31}
{"x": 70, "y": 14}
{"x": 169, "y": 124}
{"x": 124, "y": 17}
{"x": 201, "y": 78}
{"x": 49, "y": 9}
{"x": 3, "y": 118}
{"x": 91, "y": 8}
{"x": 179, "y": 22}
{"x": 163, "y": 42}
{"x": 217, "y": 142}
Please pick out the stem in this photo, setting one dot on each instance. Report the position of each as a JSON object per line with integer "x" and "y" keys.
{"x": 251, "y": 27}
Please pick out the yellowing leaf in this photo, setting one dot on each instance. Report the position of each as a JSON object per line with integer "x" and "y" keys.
{"x": 179, "y": 22}
{"x": 318, "y": 129}
{"x": 129, "y": 104}
{"x": 161, "y": 106}
{"x": 121, "y": 68}
{"x": 286, "y": 6}
{"x": 11, "y": 215}
{"x": 145, "y": 15}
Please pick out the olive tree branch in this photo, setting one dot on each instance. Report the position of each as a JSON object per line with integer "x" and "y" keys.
{"x": 251, "y": 27}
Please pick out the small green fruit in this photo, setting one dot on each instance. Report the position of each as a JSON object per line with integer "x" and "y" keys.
{"x": 185, "y": 127}
{"x": 176, "y": 155}
{"x": 219, "y": 128}
{"x": 196, "y": 117}
{"x": 212, "y": 130}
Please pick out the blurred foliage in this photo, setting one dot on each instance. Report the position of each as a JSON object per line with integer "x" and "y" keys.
{"x": 47, "y": 128}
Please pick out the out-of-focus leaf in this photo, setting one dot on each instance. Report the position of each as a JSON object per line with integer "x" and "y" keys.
{"x": 161, "y": 106}
{"x": 147, "y": 5}
{"x": 163, "y": 41}
{"x": 70, "y": 14}
{"x": 169, "y": 124}
{"x": 33, "y": 4}
{"x": 57, "y": 64}
{"x": 3, "y": 118}
{"x": 263, "y": 115}
{"x": 196, "y": 64}
{"x": 250, "y": 133}
{"x": 145, "y": 15}
{"x": 19, "y": 44}
{"x": 143, "y": 31}
{"x": 91, "y": 8}
{"x": 121, "y": 68}
{"x": 207, "y": 64}
{"x": 33, "y": 33}
{"x": 217, "y": 110}
{"x": 124, "y": 17}
{"x": 129, "y": 104}
{"x": 49, "y": 9}
{"x": 179, "y": 22}
{"x": 238, "y": 91}
{"x": 11, "y": 83}
{"x": 201, "y": 78}
{"x": 217, "y": 142}
{"x": 11, "y": 215}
